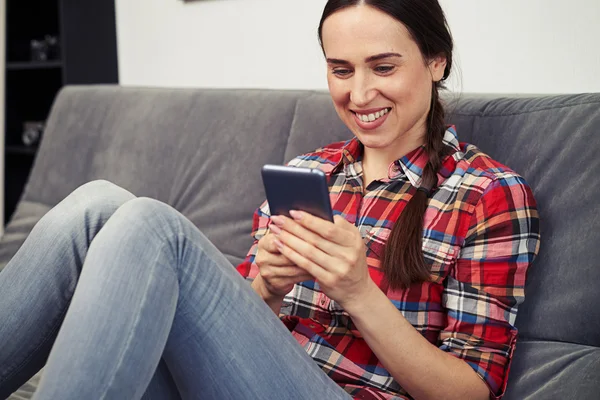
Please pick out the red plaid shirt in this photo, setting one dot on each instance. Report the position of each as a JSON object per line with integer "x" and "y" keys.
{"x": 480, "y": 235}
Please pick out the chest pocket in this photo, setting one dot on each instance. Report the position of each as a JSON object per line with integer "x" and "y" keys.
{"x": 440, "y": 256}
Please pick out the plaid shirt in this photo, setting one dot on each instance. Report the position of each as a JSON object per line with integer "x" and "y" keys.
{"x": 481, "y": 233}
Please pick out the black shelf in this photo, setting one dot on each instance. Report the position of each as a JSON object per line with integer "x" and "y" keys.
{"x": 86, "y": 54}
{"x": 30, "y": 151}
{"x": 18, "y": 66}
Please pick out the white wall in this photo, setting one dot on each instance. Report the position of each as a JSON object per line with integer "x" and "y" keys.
{"x": 502, "y": 46}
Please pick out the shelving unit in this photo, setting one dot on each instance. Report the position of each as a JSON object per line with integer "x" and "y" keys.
{"x": 16, "y": 66}
{"x": 20, "y": 150}
{"x": 87, "y": 54}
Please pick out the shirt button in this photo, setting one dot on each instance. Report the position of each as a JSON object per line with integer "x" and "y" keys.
{"x": 312, "y": 326}
{"x": 322, "y": 302}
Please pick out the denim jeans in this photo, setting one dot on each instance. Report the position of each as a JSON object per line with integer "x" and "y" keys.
{"x": 124, "y": 298}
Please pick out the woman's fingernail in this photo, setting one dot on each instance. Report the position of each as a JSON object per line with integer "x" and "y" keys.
{"x": 297, "y": 215}
{"x": 275, "y": 229}
{"x": 278, "y": 244}
{"x": 277, "y": 220}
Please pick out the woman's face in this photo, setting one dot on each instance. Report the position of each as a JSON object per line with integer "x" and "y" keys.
{"x": 379, "y": 82}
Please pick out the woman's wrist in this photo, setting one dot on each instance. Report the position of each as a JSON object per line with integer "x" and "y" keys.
{"x": 274, "y": 301}
{"x": 361, "y": 302}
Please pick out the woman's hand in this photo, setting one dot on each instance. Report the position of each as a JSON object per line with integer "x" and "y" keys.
{"x": 333, "y": 253}
{"x": 278, "y": 274}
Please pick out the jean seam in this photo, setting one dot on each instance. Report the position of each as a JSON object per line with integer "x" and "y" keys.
{"x": 137, "y": 322}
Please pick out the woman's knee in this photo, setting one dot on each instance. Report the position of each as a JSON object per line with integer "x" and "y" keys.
{"x": 96, "y": 200}
{"x": 99, "y": 194}
{"x": 150, "y": 214}
{"x": 101, "y": 191}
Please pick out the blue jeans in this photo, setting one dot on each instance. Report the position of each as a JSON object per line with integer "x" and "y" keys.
{"x": 126, "y": 299}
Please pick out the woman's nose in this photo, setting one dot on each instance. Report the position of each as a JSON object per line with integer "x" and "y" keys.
{"x": 362, "y": 91}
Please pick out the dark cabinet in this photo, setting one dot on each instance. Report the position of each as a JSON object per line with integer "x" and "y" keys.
{"x": 49, "y": 44}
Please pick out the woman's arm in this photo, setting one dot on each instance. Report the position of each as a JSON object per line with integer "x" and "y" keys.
{"x": 425, "y": 371}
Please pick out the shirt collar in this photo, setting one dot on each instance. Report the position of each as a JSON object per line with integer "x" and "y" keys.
{"x": 411, "y": 165}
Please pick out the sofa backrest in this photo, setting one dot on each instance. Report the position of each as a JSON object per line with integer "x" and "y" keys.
{"x": 201, "y": 151}
{"x": 553, "y": 143}
{"x": 197, "y": 150}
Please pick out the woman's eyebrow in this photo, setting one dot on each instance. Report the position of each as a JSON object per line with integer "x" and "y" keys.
{"x": 337, "y": 61}
{"x": 381, "y": 56}
{"x": 376, "y": 57}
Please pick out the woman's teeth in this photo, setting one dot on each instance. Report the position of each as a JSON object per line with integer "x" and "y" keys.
{"x": 372, "y": 117}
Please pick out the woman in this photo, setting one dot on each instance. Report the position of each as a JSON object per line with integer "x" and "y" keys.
{"x": 426, "y": 309}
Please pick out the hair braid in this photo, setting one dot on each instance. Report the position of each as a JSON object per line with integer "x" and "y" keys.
{"x": 403, "y": 263}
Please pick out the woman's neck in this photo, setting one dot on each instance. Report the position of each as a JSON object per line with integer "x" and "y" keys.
{"x": 376, "y": 162}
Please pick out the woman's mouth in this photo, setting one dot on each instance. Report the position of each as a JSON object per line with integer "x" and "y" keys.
{"x": 371, "y": 120}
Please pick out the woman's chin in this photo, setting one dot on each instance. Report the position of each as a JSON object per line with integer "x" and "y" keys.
{"x": 373, "y": 142}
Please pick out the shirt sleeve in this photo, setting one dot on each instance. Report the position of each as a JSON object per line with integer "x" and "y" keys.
{"x": 260, "y": 223}
{"x": 487, "y": 284}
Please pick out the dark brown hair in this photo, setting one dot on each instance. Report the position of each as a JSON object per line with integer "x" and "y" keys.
{"x": 403, "y": 262}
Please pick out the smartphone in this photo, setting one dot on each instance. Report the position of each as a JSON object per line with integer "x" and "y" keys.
{"x": 297, "y": 188}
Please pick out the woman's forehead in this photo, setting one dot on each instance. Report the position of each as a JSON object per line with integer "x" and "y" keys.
{"x": 363, "y": 31}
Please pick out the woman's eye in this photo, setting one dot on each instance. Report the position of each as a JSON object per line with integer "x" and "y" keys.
{"x": 341, "y": 72}
{"x": 382, "y": 69}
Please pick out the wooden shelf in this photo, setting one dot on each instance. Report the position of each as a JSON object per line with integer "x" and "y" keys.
{"x": 30, "y": 151}
{"x": 19, "y": 66}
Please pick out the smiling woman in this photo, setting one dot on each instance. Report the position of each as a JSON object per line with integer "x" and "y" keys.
{"x": 428, "y": 308}
{"x": 404, "y": 85}
{"x": 411, "y": 292}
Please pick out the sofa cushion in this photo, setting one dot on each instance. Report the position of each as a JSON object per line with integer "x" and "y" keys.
{"x": 315, "y": 124}
{"x": 554, "y": 370}
{"x": 552, "y": 141}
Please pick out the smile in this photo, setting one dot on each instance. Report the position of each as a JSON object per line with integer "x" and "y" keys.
{"x": 372, "y": 116}
{"x": 371, "y": 120}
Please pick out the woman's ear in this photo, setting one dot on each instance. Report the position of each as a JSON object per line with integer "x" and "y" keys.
{"x": 437, "y": 66}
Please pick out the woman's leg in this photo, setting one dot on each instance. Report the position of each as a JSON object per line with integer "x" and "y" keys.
{"x": 37, "y": 284}
{"x": 153, "y": 286}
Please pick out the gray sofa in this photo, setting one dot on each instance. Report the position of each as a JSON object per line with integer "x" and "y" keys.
{"x": 201, "y": 151}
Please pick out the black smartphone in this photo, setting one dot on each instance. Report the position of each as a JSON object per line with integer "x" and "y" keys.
{"x": 297, "y": 188}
